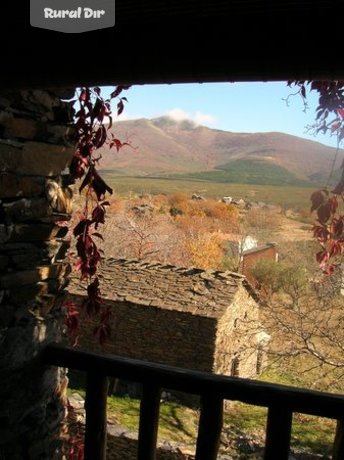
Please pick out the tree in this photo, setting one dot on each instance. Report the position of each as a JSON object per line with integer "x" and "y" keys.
{"x": 205, "y": 250}
{"x": 328, "y": 203}
{"x": 306, "y": 323}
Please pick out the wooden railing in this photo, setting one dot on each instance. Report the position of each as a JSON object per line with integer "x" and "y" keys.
{"x": 281, "y": 401}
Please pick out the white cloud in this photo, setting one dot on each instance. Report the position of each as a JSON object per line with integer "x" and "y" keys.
{"x": 198, "y": 118}
{"x": 179, "y": 115}
{"x": 204, "y": 118}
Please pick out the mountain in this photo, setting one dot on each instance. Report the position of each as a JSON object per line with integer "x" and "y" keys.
{"x": 164, "y": 147}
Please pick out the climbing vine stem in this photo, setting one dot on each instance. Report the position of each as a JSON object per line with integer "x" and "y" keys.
{"x": 93, "y": 123}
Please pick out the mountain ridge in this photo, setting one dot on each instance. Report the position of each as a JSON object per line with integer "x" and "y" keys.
{"x": 164, "y": 147}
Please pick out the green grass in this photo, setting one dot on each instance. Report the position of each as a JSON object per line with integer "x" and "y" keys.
{"x": 247, "y": 172}
{"x": 287, "y": 196}
{"x": 176, "y": 423}
{"x": 315, "y": 434}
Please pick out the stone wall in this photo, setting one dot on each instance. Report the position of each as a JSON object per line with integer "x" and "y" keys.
{"x": 237, "y": 338}
{"x": 34, "y": 196}
{"x": 154, "y": 334}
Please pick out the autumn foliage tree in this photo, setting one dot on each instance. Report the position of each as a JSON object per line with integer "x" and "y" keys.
{"x": 328, "y": 203}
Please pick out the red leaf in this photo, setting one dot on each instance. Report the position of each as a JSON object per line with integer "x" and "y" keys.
{"x": 120, "y": 107}
{"x": 324, "y": 212}
{"x": 333, "y": 203}
{"x": 98, "y": 235}
{"x": 97, "y": 137}
{"x": 118, "y": 144}
{"x": 81, "y": 226}
{"x": 118, "y": 91}
{"x": 102, "y": 332}
{"x": 93, "y": 301}
{"x": 322, "y": 257}
{"x": 317, "y": 198}
{"x": 321, "y": 233}
{"x": 98, "y": 215}
{"x": 83, "y": 95}
{"x": 99, "y": 186}
{"x": 339, "y": 188}
{"x": 335, "y": 249}
{"x": 87, "y": 179}
{"x": 335, "y": 126}
{"x": 338, "y": 227}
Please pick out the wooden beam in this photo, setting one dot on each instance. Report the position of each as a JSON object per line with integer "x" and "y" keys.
{"x": 210, "y": 426}
{"x": 96, "y": 421}
{"x": 149, "y": 422}
{"x": 195, "y": 382}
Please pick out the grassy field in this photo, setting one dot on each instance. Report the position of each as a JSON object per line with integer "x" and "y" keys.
{"x": 287, "y": 196}
{"x": 247, "y": 172}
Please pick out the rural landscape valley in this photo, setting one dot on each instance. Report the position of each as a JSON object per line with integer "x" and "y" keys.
{"x": 188, "y": 196}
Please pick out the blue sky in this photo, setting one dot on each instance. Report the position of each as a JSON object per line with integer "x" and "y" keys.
{"x": 237, "y": 107}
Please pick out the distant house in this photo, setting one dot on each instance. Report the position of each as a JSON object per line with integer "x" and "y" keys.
{"x": 187, "y": 317}
{"x": 250, "y": 257}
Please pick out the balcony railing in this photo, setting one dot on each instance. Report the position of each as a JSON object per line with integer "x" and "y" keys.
{"x": 281, "y": 401}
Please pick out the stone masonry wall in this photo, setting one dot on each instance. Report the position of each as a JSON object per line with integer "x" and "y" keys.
{"x": 154, "y": 334}
{"x": 34, "y": 195}
{"x": 237, "y": 334}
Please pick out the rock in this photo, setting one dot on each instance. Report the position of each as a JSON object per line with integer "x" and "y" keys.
{"x": 22, "y": 128}
{"x": 26, "y": 209}
{"x": 60, "y": 199}
{"x": 12, "y": 185}
{"x": 30, "y": 232}
{"x": 35, "y": 158}
{"x": 143, "y": 209}
{"x": 45, "y": 159}
{"x": 29, "y": 129}
{"x": 198, "y": 197}
{"x": 5, "y": 233}
{"x": 4, "y": 260}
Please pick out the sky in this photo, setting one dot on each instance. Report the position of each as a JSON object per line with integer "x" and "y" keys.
{"x": 236, "y": 107}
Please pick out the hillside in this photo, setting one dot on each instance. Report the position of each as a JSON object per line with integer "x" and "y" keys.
{"x": 165, "y": 147}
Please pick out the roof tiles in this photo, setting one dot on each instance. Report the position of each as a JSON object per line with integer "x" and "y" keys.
{"x": 193, "y": 290}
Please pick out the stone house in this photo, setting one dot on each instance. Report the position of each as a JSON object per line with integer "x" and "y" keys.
{"x": 187, "y": 317}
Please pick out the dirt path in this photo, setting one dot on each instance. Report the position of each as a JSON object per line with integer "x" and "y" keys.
{"x": 292, "y": 230}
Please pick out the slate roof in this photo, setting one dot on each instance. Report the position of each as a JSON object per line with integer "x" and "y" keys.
{"x": 192, "y": 290}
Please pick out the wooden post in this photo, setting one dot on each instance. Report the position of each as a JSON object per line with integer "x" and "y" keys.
{"x": 96, "y": 422}
{"x": 338, "y": 445}
{"x": 278, "y": 432}
{"x": 210, "y": 426}
{"x": 149, "y": 422}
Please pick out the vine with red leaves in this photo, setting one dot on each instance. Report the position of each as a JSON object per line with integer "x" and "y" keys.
{"x": 328, "y": 203}
{"x": 93, "y": 120}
